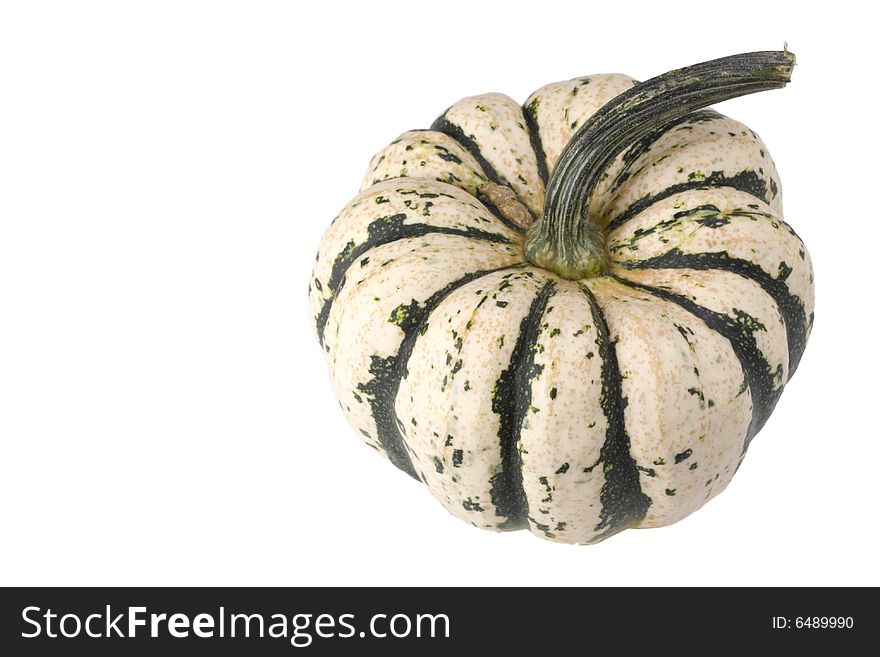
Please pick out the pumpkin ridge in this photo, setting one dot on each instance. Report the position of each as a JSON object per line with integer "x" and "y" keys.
{"x": 450, "y": 129}
{"x": 746, "y": 180}
{"x": 389, "y": 372}
{"x": 511, "y": 400}
{"x": 757, "y": 371}
{"x": 624, "y": 504}
{"x": 791, "y": 307}
{"x": 644, "y": 145}
{"x": 454, "y": 131}
{"x": 385, "y": 230}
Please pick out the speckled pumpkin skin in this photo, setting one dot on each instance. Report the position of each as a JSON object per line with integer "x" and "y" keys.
{"x": 575, "y": 409}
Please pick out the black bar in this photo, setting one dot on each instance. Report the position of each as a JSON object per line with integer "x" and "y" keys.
{"x": 537, "y": 621}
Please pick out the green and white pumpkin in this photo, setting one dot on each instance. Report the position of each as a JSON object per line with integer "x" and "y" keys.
{"x": 573, "y": 315}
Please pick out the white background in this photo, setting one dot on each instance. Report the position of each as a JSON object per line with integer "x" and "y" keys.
{"x": 166, "y": 172}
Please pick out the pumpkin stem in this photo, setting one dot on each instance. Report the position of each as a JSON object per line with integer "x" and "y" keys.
{"x": 565, "y": 240}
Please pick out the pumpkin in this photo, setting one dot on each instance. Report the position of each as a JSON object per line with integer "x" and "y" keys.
{"x": 570, "y": 316}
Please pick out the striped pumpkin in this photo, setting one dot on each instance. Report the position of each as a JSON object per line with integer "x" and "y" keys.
{"x": 573, "y": 315}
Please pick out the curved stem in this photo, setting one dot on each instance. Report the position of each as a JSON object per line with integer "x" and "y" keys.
{"x": 565, "y": 240}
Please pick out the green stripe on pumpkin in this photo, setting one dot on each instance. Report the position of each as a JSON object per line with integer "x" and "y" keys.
{"x": 759, "y": 375}
{"x": 385, "y": 230}
{"x": 388, "y": 372}
{"x": 623, "y": 502}
{"x": 791, "y": 307}
{"x": 745, "y": 181}
{"x": 511, "y": 400}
